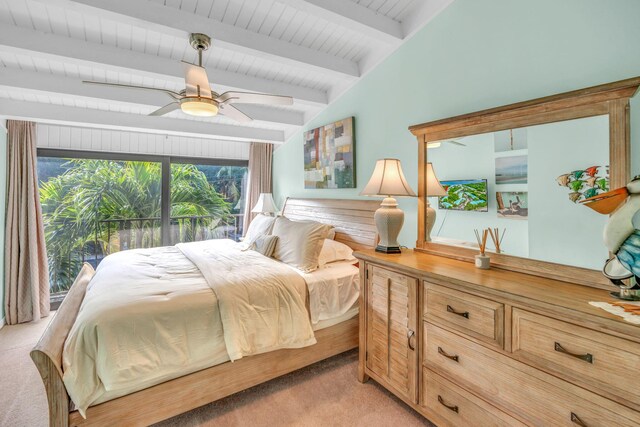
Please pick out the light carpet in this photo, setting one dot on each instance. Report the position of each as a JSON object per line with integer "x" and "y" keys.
{"x": 324, "y": 394}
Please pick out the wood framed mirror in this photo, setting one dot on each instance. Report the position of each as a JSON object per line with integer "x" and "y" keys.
{"x": 584, "y": 132}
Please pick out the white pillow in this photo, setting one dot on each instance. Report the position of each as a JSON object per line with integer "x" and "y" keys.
{"x": 260, "y": 226}
{"x": 333, "y": 251}
{"x": 299, "y": 242}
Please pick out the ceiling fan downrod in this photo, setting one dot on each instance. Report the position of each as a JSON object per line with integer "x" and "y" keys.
{"x": 199, "y": 42}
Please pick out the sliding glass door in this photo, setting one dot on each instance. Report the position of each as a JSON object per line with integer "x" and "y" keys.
{"x": 95, "y": 204}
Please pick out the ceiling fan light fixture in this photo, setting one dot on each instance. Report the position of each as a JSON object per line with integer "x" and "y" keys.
{"x": 199, "y": 107}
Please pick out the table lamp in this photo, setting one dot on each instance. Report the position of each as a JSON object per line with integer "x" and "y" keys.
{"x": 265, "y": 204}
{"x": 388, "y": 180}
{"x": 434, "y": 188}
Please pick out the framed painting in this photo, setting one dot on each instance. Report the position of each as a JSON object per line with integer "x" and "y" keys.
{"x": 329, "y": 156}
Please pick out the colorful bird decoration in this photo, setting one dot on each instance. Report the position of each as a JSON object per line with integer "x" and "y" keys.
{"x": 576, "y": 185}
{"x": 592, "y": 171}
{"x": 585, "y": 183}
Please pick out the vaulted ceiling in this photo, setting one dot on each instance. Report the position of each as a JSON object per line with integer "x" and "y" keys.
{"x": 312, "y": 50}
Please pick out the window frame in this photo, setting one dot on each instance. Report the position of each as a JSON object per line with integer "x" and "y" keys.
{"x": 165, "y": 161}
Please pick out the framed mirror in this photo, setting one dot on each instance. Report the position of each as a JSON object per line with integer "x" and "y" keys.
{"x": 522, "y": 170}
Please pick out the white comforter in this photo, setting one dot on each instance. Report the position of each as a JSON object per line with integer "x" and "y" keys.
{"x": 150, "y": 315}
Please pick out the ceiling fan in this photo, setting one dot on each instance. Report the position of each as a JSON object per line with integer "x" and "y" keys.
{"x": 197, "y": 99}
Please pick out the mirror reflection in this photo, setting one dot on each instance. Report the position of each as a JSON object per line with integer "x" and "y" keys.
{"x": 527, "y": 183}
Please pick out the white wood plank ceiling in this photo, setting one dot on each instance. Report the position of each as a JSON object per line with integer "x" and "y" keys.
{"x": 312, "y": 50}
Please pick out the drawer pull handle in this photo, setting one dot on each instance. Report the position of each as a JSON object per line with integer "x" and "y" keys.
{"x": 586, "y": 357}
{"x": 444, "y": 353}
{"x": 576, "y": 420}
{"x": 410, "y": 335}
{"x": 454, "y": 408}
{"x": 464, "y": 314}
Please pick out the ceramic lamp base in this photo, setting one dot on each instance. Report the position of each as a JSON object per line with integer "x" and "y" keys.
{"x": 431, "y": 220}
{"x": 389, "y": 219}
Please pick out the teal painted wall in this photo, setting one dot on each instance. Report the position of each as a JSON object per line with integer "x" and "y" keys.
{"x": 3, "y": 198}
{"x": 474, "y": 55}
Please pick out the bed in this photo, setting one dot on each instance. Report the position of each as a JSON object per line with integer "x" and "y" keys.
{"x": 336, "y": 331}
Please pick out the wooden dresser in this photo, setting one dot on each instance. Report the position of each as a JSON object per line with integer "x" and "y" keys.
{"x": 470, "y": 347}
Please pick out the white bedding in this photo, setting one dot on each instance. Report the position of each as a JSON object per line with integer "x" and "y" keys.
{"x": 150, "y": 315}
{"x": 333, "y": 290}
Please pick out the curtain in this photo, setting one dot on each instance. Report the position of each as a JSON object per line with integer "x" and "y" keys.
{"x": 260, "y": 155}
{"x": 26, "y": 269}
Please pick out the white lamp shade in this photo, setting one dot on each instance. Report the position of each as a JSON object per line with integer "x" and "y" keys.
{"x": 265, "y": 204}
{"x": 434, "y": 188}
{"x": 387, "y": 180}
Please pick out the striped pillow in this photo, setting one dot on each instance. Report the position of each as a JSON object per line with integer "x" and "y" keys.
{"x": 265, "y": 245}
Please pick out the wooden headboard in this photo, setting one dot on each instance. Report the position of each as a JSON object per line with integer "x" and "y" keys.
{"x": 353, "y": 219}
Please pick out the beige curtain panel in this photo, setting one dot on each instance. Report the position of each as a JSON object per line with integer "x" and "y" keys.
{"x": 26, "y": 269}
{"x": 260, "y": 155}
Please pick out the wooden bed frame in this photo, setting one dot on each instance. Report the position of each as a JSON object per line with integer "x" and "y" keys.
{"x": 355, "y": 227}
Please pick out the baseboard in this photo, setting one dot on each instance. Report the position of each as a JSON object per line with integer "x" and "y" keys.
{"x": 2, "y": 322}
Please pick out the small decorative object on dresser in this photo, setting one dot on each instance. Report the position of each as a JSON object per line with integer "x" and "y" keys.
{"x": 621, "y": 236}
{"x": 388, "y": 180}
{"x": 482, "y": 260}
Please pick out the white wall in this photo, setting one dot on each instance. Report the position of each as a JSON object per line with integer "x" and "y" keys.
{"x": 559, "y": 230}
{"x": 89, "y": 139}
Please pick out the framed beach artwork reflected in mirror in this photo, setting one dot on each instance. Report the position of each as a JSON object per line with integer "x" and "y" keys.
{"x": 329, "y": 156}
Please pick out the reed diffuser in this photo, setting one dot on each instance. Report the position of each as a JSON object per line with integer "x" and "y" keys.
{"x": 482, "y": 260}
{"x": 497, "y": 238}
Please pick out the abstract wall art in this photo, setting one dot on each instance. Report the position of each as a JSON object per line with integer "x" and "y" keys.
{"x": 329, "y": 156}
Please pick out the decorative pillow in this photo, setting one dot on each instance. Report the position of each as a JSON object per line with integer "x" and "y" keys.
{"x": 333, "y": 251}
{"x": 265, "y": 245}
{"x": 260, "y": 226}
{"x": 299, "y": 242}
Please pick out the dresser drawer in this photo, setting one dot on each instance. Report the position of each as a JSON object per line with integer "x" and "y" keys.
{"x": 534, "y": 396}
{"x": 458, "y": 407}
{"x": 477, "y": 317}
{"x": 589, "y": 358}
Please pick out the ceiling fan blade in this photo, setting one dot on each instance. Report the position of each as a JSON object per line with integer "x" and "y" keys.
{"x": 166, "y": 109}
{"x": 171, "y": 93}
{"x": 233, "y": 113}
{"x": 457, "y": 143}
{"x": 196, "y": 77}
{"x": 253, "y": 98}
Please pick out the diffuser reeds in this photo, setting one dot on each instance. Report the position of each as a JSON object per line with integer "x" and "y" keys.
{"x": 496, "y": 237}
{"x": 481, "y": 237}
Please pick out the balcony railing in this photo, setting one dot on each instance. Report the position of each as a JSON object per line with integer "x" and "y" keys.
{"x": 115, "y": 235}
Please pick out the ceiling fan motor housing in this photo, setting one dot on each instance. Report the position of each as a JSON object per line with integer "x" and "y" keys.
{"x": 199, "y": 41}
